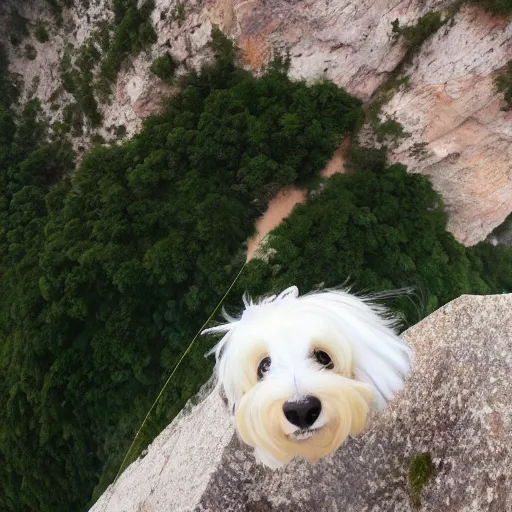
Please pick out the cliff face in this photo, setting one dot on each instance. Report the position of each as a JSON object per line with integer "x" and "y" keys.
{"x": 347, "y": 42}
{"x": 454, "y": 414}
{"x": 40, "y": 75}
{"x": 451, "y": 107}
{"x": 458, "y": 133}
{"x": 137, "y": 93}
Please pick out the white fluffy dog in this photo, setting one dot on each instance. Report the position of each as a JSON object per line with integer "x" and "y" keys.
{"x": 301, "y": 373}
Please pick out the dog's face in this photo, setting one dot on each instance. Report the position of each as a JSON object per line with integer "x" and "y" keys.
{"x": 288, "y": 370}
{"x": 295, "y": 394}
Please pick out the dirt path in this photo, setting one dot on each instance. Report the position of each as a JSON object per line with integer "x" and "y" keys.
{"x": 337, "y": 162}
{"x": 278, "y": 208}
{"x": 285, "y": 200}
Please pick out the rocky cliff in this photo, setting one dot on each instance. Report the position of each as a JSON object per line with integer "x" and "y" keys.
{"x": 443, "y": 444}
{"x": 444, "y": 95}
{"x": 451, "y": 108}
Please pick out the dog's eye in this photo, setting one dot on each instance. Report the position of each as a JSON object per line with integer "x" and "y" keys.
{"x": 263, "y": 367}
{"x": 324, "y": 359}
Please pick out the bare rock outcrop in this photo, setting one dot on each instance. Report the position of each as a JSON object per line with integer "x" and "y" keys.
{"x": 347, "y": 42}
{"x": 137, "y": 93}
{"x": 40, "y": 74}
{"x": 456, "y": 406}
{"x": 459, "y": 134}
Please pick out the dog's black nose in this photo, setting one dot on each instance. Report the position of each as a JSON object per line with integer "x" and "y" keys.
{"x": 303, "y": 413}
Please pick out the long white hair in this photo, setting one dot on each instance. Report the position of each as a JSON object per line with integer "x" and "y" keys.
{"x": 369, "y": 365}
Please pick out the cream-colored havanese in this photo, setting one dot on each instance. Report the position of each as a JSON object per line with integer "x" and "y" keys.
{"x": 301, "y": 373}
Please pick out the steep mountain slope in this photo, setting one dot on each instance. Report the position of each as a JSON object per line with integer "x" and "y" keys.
{"x": 444, "y": 94}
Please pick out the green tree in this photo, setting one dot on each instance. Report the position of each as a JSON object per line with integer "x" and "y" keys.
{"x": 163, "y": 67}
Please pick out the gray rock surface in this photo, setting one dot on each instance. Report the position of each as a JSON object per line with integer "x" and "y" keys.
{"x": 457, "y": 406}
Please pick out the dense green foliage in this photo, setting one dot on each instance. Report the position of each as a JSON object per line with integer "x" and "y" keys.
{"x": 384, "y": 230}
{"x": 29, "y": 166}
{"x": 504, "y": 84}
{"x": 163, "y": 67}
{"x": 494, "y": 264}
{"x": 495, "y": 6}
{"x": 106, "y": 276}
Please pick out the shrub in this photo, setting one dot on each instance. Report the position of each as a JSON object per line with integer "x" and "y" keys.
{"x": 41, "y": 34}
{"x": 179, "y": 13}
{"x": 504, "y": 84}
{"x": 416, "y": 35}
{"x": 120, "y": 131}
{"x": 30, "y": 52}
{"x": 77, "y": 79}
{"x": 365, "y": 158}
{"x": 73, "y": 118}
{"x": 56, "y": 94}
{"x": 56, "y": 9}
{"x": 97, "y": 139}
{"x": 501, "y": 7}
{"x": 163, "y": 67}
{"x": 388, "y": 132}
{"x": 18, "y": 25}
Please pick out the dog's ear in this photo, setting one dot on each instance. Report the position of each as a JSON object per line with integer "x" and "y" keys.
{"x": 380, "y": 357}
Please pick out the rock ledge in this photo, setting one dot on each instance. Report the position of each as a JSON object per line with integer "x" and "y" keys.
{"x": 457, "y": 406}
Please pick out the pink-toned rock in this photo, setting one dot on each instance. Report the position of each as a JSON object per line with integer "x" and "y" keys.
{"x": 452, "y": 106}
{"x": 346, "y": 42}
{"x": 147, "y": 96}
{"x": 456, "y": 407}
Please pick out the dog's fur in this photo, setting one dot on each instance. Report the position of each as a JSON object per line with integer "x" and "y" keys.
{"x": 370, "y": 364}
